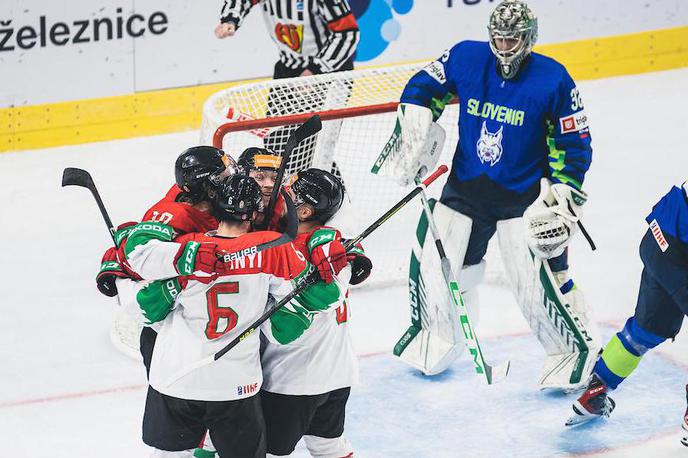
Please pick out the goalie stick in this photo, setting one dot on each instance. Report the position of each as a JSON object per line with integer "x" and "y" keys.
{"x": 308, "y": 279}
{"x": 309, "y": 128}
{"x": 492, "y": 374}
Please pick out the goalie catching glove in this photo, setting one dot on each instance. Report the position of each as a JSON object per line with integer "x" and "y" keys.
{"x": 414, "y": 147}
{"x": 552, "y": 219}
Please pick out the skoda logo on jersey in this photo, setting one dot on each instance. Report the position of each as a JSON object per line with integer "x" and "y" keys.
{"x": 490, "y": 145}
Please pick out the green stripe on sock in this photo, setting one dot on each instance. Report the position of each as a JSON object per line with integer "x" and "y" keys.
{"x": 619, "y": 360}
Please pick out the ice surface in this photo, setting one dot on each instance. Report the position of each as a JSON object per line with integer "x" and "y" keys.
{"x": 65, "y": 392}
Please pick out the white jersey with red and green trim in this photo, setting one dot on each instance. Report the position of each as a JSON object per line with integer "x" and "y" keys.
{"x": 211, "y": 310}
{"x": 322, "y": 359}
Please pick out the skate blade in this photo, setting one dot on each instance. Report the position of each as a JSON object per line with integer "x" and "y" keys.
{"x": 581, "y": 416}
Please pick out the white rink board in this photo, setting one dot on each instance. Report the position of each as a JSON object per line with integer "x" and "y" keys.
{"x": 65, "y": 392}
{"x": 61, "y": 66}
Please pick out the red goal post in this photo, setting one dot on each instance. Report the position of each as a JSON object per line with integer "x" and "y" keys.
{"x": 328, "y": 115}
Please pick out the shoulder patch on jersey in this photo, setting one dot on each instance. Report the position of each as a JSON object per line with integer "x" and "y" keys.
{"x": 436, "y": 70}
{"x": 574, "y": 123}
{"x": 659, "y": 235}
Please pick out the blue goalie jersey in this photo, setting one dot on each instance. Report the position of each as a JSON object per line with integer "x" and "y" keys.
{"x": 511, "y": 132}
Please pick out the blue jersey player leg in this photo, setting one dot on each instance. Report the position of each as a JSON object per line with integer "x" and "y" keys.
{"x": 661, "y": 307}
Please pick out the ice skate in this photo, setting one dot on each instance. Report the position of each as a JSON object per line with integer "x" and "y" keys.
{"x": 593, "y": 403}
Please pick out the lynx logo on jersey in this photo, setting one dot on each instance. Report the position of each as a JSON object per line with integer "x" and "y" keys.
{"x": 490, "y": 145}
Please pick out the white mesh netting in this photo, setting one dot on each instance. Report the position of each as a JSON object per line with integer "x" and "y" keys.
{"x": 358, "y": 109}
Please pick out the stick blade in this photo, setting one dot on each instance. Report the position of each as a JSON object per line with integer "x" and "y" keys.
{"x": 311, "y": 127}
{"x": 498, "y": 373}
{"x": 76, "y": 177}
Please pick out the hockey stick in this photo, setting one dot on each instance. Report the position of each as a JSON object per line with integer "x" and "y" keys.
{"x": 492, "y": 374}
{"x": 583, "y": 230}
{"x": 79, "y": 177}
{"x": 308, "y": 279}
{"x": 309, "y": 128}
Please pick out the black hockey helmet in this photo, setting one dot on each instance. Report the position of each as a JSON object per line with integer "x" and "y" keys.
{"x": 238, "y": 197}
{"x": 255, "y": 158}
{"x": 199, "y": 169}
{"x": 320, "y": 189}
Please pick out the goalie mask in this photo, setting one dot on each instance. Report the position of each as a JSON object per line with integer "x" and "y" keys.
{"x": 237, "y": 200}
{"x": 321, "y": 190}
{"x": 513, "y": 32}
{"x": 201, "y": 169}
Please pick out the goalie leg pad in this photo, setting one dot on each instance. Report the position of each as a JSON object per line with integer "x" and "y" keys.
{"x": 469, "y": 279}
{"x": 434, "y": 339}
{"x": 555, "y": 319}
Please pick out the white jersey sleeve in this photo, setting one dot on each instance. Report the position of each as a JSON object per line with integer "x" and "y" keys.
{"x": 323, "y": 359}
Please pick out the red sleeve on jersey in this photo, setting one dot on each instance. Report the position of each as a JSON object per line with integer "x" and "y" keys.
{"x": 301, "y": 243}
{"x": 183, "y": 218}
{"x": 172, "y": 193}
{"x": 282, "y": 261}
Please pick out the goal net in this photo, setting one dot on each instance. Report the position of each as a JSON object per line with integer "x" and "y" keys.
{"x": 358, "y": 110}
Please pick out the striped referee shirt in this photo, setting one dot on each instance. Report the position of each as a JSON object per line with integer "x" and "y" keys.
{"x": 320, "y": 35}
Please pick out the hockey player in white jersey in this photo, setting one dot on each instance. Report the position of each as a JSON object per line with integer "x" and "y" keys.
{"x": 217, "y": 300}
{"x": 307, "y": 382}
{"x": 523, "y": 150}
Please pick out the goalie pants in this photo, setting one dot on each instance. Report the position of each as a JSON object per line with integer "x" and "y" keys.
{"x": 288, "y": 418}
{"x": 237, "y": 428}
{"x": 663, "y": 294}
{"x": 502, "y": 205}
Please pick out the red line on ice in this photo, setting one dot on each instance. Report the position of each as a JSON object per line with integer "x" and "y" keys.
{"x": 64, "y": 397}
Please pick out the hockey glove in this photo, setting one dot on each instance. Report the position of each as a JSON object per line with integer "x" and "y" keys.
{"x": 327, "y": 253}
{"x": 123, "y": 231}
{"x": 204, "y": 257}
{"x": 361, "y": 265}
{"x": 110, "y": 269}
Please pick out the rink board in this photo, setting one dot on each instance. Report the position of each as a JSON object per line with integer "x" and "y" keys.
{"x": 396, "y": 411}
